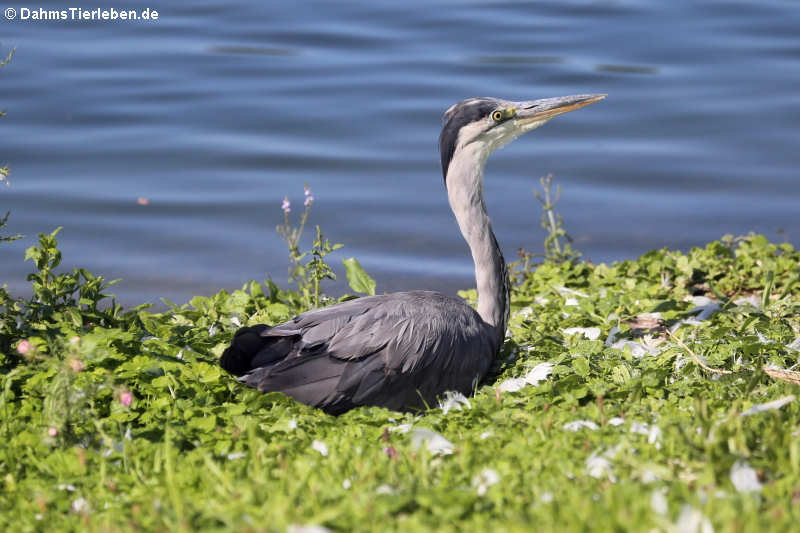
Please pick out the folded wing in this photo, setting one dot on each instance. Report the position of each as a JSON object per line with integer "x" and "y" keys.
{"x": 398, "y": 351}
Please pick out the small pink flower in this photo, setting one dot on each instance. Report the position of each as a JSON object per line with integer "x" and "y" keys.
{"x": 306, "y": 190}
{"x": 286, "y": 205}
{"x": 125, "y": 398}
{"x": 24, "y": 347}
{"x": 308, "y": 201}
{"x": 76, "y": 365}
{"x": 52, "y": 432}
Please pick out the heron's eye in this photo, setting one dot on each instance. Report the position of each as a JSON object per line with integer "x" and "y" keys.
{"x": 497, "y": 116}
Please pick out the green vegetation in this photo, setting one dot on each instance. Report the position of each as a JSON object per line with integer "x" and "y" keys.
{"x": 3, "y": 224}
{"x": 4, "y": 172}
{"x": 553, "y": 224}
{"x": 116, "y": 420}
{"x": 309, "y": 269}
{"x": 649, "y": 395}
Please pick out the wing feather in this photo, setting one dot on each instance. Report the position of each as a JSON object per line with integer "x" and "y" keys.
{"x": 398, "y": 350}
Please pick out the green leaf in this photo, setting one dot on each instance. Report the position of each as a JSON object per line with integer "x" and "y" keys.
{"x": 74, "y": 316}
{"x": 581, "y": 366}
{"x": 209, "y": 373}
{"x": 358, "y": 279}
{"x": 206, "y": 423}
{"x": 767, "y": 289}
{"x": 683, "y": 266}
{"x": 31, "y": 252}
{"x": 160, "y": 382}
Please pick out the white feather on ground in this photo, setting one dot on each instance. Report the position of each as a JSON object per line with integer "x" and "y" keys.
{"x": 453, "y": 401}
{"x": 744, "y": 478}
{"x": 600, "y": 467}
{"x": 653, "y": 432}
{"x": 435, "y": 443}
{"x": 775, "y": 404}
{"x": 692, "y": 521}
{"x": 485, "y": 479}
{"x": 320, "y": 447}
{"x": 534, "y": 376}
{"x": 577, "y": 425}
{"x": 589, "y": 333}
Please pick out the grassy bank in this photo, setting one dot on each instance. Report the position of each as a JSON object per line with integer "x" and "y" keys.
{"x": 117, "y": 420}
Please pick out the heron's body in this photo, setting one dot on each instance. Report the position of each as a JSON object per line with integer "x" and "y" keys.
{"x": 340, "y": 357}
{"x": 403, "y": 350}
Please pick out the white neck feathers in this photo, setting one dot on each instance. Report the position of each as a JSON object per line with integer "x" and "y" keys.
{"x": 465, "y": 192}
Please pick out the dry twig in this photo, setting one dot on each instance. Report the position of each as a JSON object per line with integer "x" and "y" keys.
{"x": 781, "y": 373}
{"x": 696, "y": 357}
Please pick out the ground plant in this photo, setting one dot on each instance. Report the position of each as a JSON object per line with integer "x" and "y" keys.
{"x": 4, "y": 171}
{"x": 657, "y": 394}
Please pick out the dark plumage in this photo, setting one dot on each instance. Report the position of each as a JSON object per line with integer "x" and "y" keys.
{"x": 340, "y": 357}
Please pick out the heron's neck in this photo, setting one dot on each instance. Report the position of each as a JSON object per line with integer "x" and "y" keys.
{"x": 465, "y": 192}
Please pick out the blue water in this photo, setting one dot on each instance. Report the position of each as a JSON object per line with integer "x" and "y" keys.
{"x": 216, "y": 111}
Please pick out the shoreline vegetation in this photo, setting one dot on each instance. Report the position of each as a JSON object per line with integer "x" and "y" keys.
{"x": 656, "y": 394}
{"x": 4, "y": 171}
{"x": 653, "y": 394}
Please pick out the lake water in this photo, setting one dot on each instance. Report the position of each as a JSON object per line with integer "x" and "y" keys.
{"x": 216, "y": 111}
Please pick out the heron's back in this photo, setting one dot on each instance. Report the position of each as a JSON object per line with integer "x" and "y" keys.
{"x": 399, "y": 351}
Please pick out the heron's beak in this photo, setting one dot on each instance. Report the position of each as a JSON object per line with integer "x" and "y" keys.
{"x": 536, "y": 111}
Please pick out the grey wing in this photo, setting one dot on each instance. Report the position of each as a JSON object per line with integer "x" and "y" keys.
{"x": 398, "y": 351}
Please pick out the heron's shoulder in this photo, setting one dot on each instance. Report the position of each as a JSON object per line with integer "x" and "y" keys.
{"x": 429, "y": 304}
{"x": 431, "y": 300}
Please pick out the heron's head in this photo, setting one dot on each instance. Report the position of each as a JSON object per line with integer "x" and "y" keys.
{"x": 482, "y": 125}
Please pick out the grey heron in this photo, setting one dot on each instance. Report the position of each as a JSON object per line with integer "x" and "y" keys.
{"x": 402, "y": 350}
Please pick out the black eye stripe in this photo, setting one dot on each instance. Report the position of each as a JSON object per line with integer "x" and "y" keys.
{"x": 468, "y": 112}
{"x": 458, "y": 116}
